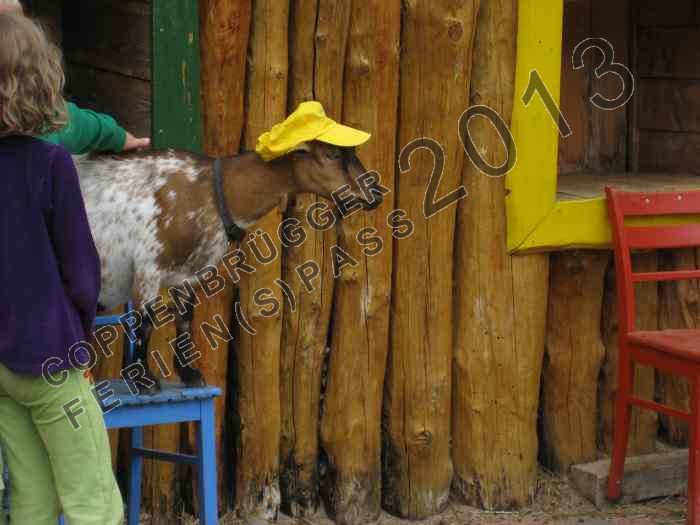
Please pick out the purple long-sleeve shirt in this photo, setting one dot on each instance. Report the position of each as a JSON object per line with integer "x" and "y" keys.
{"x": 49, "y": 267}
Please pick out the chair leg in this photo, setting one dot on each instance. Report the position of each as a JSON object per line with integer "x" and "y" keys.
{"x": 206, "y": 449}
{"x": 694, "y": 455}
{"x": 622, "y": 427}
{"x": 135, "y": 478}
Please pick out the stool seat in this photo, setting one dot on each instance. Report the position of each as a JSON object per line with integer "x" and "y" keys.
{"x": 170, "y": 393}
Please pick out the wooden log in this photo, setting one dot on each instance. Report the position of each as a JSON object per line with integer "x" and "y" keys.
{"x": 161, "y": 483}
{"x": 258, "y": 356}
{"x": 500, "y": 305}
{"x": 573, "y": 356}
{"x": 646, "y": 477}
{"x": 679, "y": 307}
{"x": 351, "y": 425}
{"x": 224, "y": 30}
{"x": 644, "y": 423}
{"x": 437, "y": 40}
{"x": 305, "y": 330}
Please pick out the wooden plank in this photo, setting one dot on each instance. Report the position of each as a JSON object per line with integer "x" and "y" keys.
{"x": 646, "y": 477}
{"x": 609, "y": 20}
{"x": 436, "y": 44}
{"x": 669, "y": 104}
{"x": 127, "y": 99}
{"x": 500, "y": 307}
{"x": 669, "y": 152}
{"x": 575, "y": 89}
{"x": 177, "y": 117}
{"x": 592, "y": 185}
{"x": 668, "y": 53}
{"x": 573, "y": 355}
{"x": 633, "y": 105}
{"x": 50, "y": 14}
{"x": 669, "y": 13}
{"x": 113, "y": 36}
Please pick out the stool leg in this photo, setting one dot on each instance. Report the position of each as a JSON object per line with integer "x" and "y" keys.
{"x": 694, "y": 456}
{"x": 206, "y": 449}
{"x": 135, "y": 477}
{"x": 622, "y": 427}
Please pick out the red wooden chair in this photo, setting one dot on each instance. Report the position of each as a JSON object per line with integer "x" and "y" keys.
{"x": 672, "y": 351}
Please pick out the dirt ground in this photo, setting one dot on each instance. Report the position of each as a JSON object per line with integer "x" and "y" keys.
{"x": 556, "y": 503}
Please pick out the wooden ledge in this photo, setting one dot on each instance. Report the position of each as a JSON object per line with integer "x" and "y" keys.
{"x": 592, "y": 185}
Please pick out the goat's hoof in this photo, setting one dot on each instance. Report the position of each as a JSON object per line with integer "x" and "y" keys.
{"x": 155, "y": 388}
{"x": 192, "y": 378}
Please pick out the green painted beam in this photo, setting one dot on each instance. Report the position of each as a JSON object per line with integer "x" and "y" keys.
{"x": 177, "y": 107}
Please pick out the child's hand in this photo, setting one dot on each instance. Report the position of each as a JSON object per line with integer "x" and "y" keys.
{"x": 134, "y": 143}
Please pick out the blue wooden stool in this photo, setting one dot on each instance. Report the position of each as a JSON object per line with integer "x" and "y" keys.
{"x": 174, "y": 404}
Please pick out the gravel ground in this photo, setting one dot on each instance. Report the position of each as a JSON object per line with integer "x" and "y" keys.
{"x": 556, "y": 503}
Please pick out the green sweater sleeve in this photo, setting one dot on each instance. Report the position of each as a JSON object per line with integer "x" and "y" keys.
{"x": 88, "y": 131}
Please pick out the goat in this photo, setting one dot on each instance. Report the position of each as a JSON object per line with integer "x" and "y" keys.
{"x": 156, "y": 221}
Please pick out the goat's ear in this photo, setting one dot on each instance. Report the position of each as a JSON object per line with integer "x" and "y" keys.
{"x": 303, "y": 146}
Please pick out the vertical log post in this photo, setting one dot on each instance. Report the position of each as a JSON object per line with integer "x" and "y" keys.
{"x": 258, "y": 356}
{"x": 305, "y": 330}
{"x": 161, "y": 484}
{"x": 224, "y": 30}
{"x": 644, "y": 423}
{"x": 500, "y": 303}
{"x": 573, "y": 356}
{"x": 351, "y": 425}
{"x": 436, "y": 51}
{"x": 679, "y": 307}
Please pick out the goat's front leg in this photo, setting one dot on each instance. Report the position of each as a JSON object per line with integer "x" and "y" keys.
{"x": 184, "y": 350}
{"x": 148, "y": 382}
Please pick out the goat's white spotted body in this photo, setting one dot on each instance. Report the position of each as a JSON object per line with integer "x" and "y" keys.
{"x": 126, "y": 222}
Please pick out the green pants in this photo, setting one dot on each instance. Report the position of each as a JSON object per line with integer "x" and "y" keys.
{"x": 54, "y": 466}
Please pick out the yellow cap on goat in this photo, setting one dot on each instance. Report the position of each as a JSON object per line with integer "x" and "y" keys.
{"x": 308, "y": 122}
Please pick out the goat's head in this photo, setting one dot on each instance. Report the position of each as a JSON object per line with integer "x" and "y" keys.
{"x": 324, "y": 169}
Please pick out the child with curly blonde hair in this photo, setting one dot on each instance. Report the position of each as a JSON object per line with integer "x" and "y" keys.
{"x": 50, "y": 275}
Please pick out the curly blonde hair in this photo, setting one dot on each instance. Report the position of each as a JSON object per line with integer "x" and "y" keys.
{"x": 10, "y": 5}
{"x": 31, "y": 79}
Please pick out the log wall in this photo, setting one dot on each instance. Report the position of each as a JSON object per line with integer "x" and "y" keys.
{"x": 668, "y": 102}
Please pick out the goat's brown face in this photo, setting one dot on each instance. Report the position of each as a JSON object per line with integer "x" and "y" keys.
{"x": 327, "y": 170}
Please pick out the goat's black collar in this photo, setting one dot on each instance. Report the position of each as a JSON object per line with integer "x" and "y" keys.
{"x": 233, "y": 231}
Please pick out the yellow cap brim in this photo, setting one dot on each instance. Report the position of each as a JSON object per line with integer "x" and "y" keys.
{"x": 344, "y": 136}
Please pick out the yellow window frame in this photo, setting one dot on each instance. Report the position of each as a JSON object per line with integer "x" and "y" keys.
{"x": 536, "y": 220}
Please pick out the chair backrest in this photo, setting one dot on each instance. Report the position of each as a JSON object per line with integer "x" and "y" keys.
{"x": 129, "y": 334}
{"x": 623, "y": 204}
